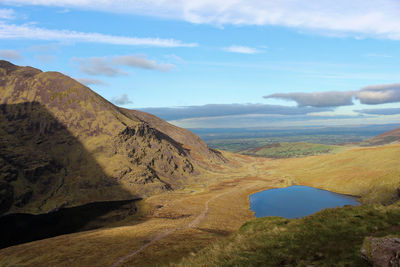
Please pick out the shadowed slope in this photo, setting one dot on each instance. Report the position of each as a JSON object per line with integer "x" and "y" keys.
{"x": 44, "y": 168}
{"x": 141, "y": 157}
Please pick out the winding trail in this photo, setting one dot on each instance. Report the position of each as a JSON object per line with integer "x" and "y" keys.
{"x": 193, "y": 224}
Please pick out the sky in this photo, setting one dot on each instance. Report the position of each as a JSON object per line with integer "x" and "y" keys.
{"x": 220, "y": 63}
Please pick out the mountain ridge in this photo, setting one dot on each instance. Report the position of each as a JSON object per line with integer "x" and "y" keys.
{"x": 83, "y": 148}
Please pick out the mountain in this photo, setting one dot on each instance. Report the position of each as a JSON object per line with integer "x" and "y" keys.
{"x": 63, "y": 145}
{"x": 389, "y": 137}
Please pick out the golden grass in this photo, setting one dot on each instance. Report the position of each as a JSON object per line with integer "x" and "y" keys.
{"x": 358, "y": 171}
{"x": 373, "y": 173}
{"x": 228, "y": 210}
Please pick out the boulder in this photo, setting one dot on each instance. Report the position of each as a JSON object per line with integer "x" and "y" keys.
{"x": 382, "y": 251}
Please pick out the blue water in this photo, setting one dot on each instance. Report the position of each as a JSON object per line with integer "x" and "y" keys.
{"x": 296, "y": 201}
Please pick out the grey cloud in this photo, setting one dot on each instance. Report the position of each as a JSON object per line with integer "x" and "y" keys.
{"x": 110, "y": 66}
{"x": 266, "y": 121}
{"x": 318, "y": 99}
{"x": 122, "y": 100}
{"x": 89, "y": 81}
{"x": 379, "y": 94}
{"x": 370, "y": 95}
{"x": 10, "y": 54}
{"x": 142, "y": 62}
{"x": 215, "y": 110}
{"x": 382, "y": 111}
{"x": 98, "y": 66}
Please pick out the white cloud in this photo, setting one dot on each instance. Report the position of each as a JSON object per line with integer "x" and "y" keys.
{"x": 10, "y": 54}
{"x": 242, "y": 49}
{"x": 6, "y": 13}
{"x": 360, "y": 18}
{"x": 12, "y": 31}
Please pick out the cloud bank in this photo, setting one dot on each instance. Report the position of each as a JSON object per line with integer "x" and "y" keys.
{"x": 374, "y": 18}
{"x": 370, "y": 95}
{"x": 382, "y": 111}
{"x": 379, "y": 94}
{"x": 317, "y": 99}
{"x": 217, "y": 110}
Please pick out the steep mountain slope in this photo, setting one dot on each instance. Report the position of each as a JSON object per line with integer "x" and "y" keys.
{"x": 385, "y": 138}
{"x": 64, "y": 145}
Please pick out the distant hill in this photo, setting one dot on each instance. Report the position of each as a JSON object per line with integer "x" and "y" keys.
{"x": 63, "y": 145}
{"x": 385, "y": 138}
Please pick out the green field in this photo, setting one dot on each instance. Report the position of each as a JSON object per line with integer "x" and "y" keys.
{"x": 291, "y": 150}
{"x": 270, "y": 148}
{"x": 241, "y": 144}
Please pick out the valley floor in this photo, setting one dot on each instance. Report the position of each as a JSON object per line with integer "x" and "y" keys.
{"x": 169, "y": 226}
{"x": 176, "y": 224}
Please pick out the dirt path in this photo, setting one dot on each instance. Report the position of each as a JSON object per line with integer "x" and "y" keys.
{"x": 155, "y": 239}
{"x": 193, "y": 224}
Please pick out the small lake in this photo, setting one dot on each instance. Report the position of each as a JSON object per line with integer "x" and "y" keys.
{"x": 296, "y": 201}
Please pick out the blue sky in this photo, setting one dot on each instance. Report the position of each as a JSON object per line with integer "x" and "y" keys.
{"x": 316, "y": 63}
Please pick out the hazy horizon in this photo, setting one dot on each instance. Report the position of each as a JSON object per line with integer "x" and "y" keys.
{"x": 202, "y": 64}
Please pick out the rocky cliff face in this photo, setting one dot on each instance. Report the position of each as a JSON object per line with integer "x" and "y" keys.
{"x": 61, "y": 144}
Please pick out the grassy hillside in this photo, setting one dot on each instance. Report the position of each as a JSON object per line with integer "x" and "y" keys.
{"x": 220, "y": 205}
{"x": 332, "y": 237}
{"x": 373, "y": 173}
{"x": 384, "y": 139}
{"x": 291, "y": 150}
